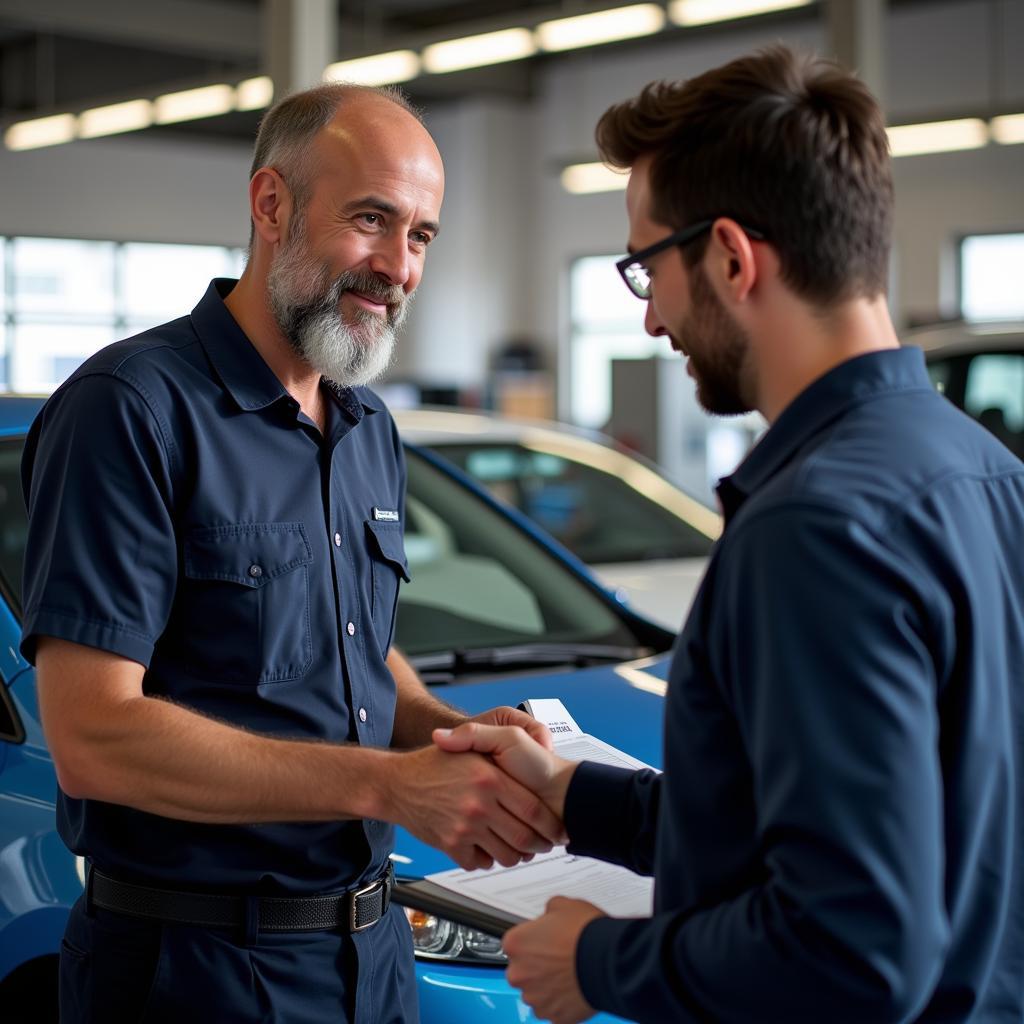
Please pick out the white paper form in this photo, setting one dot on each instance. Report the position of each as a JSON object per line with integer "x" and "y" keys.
{"x": 525, "y": 889}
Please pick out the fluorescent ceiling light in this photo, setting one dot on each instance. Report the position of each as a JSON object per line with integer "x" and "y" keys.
{"x": 254, "y": 93}
{"x": 41, "y": 131}
{"x": 478, "y": 51}
{"x": 207, "y": 101}
{"x": 937, "y": 136}
{"x": 1008, "y": 129}
{"x": 703, "y": 12}
{"x": 581, "y": 179}
{"x": 117, "y": 117}
{"x": 379, "y": 69}
{"x": 600, "y": 27}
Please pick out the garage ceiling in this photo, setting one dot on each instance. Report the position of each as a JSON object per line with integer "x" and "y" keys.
{"x": 66, "y": 55}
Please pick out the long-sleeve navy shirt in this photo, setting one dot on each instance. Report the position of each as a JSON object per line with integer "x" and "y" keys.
{"x": 839, "y": 831}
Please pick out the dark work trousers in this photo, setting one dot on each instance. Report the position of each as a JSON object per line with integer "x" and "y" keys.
{"x": 116, "y": 969}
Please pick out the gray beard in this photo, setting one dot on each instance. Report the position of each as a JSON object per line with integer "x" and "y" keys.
{"x": 305, "y": 304}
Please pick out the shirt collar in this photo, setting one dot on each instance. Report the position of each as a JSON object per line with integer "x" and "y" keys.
{"x": 825, "y": 400}
{"x": 240, "y": 367}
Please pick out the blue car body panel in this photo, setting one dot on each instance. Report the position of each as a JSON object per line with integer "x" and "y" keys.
{"x": 39, "y": 879}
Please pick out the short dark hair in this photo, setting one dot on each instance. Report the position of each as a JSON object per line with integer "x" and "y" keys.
{"x": 288, "y": 127}
{"x": 790, "y": 144}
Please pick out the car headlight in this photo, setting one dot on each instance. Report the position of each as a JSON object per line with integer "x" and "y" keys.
{"x": 436, "y": 938}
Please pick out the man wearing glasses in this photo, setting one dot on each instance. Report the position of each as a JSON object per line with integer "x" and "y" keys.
{"x": 839, "y": 831}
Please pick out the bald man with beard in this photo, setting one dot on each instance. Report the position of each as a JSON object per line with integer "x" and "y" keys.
{"x": 212, "y": 570}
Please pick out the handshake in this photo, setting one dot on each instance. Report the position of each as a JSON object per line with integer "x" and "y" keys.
{"x": 489, "y": 790}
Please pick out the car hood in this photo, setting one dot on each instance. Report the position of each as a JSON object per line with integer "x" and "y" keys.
{"x": 620, "y": 704}
{"x": 661, "y": 589}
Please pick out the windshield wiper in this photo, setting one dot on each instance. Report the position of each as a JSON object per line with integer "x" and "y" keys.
{"x": 464, "y": 661}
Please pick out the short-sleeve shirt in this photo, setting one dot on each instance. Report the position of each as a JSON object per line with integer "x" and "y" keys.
{"x": 185, "y": 514}
{"x": 839, "y": 831}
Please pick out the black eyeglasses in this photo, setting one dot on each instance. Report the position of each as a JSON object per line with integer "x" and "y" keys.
{"x": 632, "y": 268}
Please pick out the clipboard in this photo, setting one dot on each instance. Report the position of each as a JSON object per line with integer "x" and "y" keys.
{"x": 434, "y": 899}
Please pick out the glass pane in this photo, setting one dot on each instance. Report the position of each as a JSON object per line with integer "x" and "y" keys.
{"x": 590, "y": 380}
{"x": 995, "y": 396}
{"x": 480, "y": 583}
{"x": 990, "y": 277}
{"x": 161, "y": 282}
{"x": 599, "y": 297}
{"x": 43, "y": 355}
{"x": 595, "y": 514}
{"x": 63, "y": 276}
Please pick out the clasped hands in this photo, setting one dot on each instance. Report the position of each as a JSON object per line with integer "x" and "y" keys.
{"x": 541, "y": 953}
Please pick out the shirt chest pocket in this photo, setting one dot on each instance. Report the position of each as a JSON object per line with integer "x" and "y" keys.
{"x": 246, "y": 602}
{"x": 388, "y": 565}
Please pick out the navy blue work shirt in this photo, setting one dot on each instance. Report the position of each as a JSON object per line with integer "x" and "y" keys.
{"x": 185, "y": 514}
{"x": 839, "y": 831}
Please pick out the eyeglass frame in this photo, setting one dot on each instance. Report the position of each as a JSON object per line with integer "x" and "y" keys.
{"x": 681, "y": 237}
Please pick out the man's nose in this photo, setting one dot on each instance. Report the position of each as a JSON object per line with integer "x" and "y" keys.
{"x": 391, "y": 260}
{"x": 652, "y": 322}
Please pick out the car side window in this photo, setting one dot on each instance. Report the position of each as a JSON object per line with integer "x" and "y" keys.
{"x": 994, "y": 396}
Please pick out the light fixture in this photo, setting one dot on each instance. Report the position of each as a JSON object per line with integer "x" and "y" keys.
{"x": 479, "y": 51}
{"x": 600, "y": 27}
{"x": 114, "y": 118}
{"x": 41, "y": 131}
{"x": 937, "y": 136}
{"x": 254, "y": 93}
{"x": 1008, "y": 129}
{"x": 704, "y": 12}
{"x": 378, "y": 69}
{"x": 582, "y": 179}
{"x": 207, "y": 101}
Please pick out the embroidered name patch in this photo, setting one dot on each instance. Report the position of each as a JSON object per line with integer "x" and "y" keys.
{"x": 385, "y": 515}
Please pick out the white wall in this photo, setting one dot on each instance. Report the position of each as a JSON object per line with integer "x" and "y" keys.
{"x": 128, "y": 189}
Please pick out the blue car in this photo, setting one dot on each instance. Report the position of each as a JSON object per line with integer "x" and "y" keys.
{"x": 496, "y": 613}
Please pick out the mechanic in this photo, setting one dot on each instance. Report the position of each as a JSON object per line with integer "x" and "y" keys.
{"x": 213, "y": 564}
{"x": 839, "y": 831}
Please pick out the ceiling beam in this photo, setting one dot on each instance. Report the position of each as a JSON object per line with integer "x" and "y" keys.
{"x": 196, "y": 27}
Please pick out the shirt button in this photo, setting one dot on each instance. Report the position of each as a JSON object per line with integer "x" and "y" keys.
{"x": 337, "y": 540}
{"x": 351, "y": 627}
{"x": 362, "y": 714}
{"x": 255, "y": 571}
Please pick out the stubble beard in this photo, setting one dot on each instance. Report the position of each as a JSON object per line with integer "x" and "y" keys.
{"x": 718, "y": 350}
{"x": 304, "y": 299}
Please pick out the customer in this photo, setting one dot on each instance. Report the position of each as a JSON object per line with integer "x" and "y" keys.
{"x": 839, "y": 831}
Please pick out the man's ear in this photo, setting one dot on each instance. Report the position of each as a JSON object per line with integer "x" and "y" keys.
{"x": 731, "y": 259}
{"x": 270, "y": 204}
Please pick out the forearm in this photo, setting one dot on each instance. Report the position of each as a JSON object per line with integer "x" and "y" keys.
{"x": 220, "y": 774}
{"x": 417, "y": 711}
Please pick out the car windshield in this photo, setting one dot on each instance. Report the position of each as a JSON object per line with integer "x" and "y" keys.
{"x": 594, "y": 514}
{"x": 479, "y": 582}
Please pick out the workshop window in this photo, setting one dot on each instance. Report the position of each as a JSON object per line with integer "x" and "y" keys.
{"x": 990, "y": 277}
{"x": 62, "y": 299}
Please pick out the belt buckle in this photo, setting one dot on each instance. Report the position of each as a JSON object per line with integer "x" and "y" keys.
{"x": 353, "y": 898}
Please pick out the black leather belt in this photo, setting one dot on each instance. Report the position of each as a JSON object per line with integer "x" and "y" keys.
{"x": 354, "y": 910}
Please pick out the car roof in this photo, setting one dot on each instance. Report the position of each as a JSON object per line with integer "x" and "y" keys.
{"x": 434, "y": 428}
{"x": 18, "y": 411}
{"x": 960, "y": 337}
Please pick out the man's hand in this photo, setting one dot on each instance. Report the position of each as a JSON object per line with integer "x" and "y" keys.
{"x": 465, "y": 805}
{"x": 542, "y": 960}
{"x": 519, "y": 755}
{"x": 513, "y": 716}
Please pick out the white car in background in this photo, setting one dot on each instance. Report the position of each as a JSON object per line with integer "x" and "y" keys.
{"x": 641, "y": 534}
{"x": 979, "y": 367}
